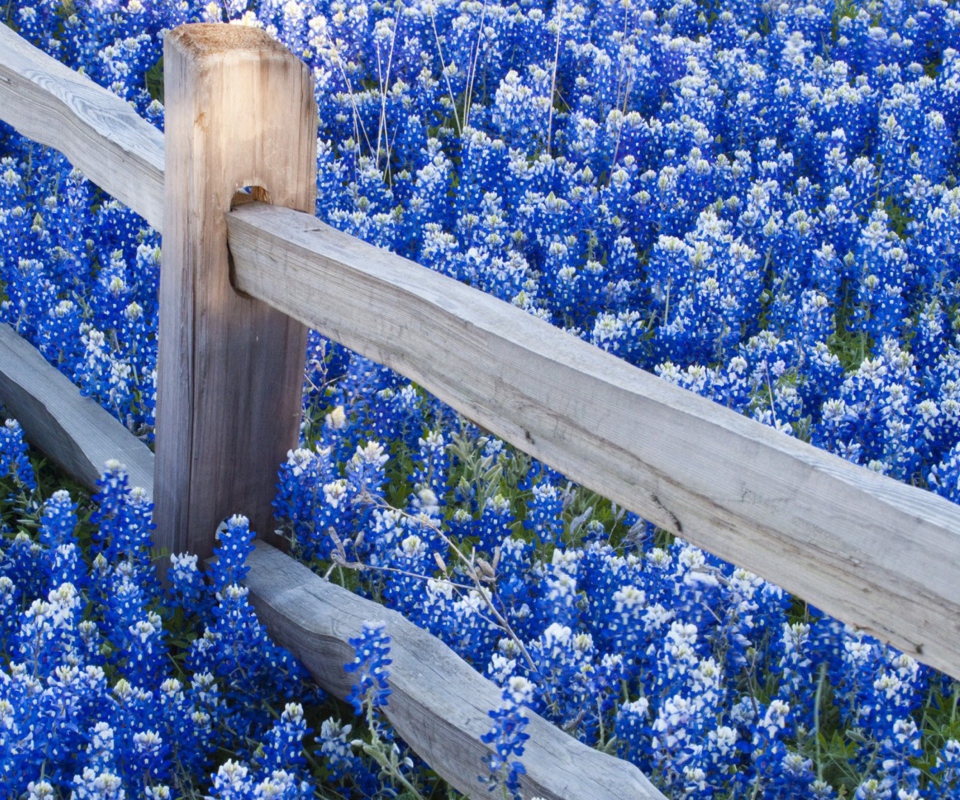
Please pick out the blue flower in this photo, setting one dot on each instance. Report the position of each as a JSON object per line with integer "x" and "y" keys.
{"x": 507, "y": 737}
{"x": 371, "y": 663}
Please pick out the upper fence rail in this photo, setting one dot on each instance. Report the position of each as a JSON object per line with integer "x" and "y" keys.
{"x": 100, "y": 133}
{"x": 871, "y": 551}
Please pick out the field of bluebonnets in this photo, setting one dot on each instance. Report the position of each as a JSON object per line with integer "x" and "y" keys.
{"x": 757, "y": 201}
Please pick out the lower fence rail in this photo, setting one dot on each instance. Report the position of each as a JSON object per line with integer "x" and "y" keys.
{"x": 439, "y": 704}
{"x": 72, "y": 430}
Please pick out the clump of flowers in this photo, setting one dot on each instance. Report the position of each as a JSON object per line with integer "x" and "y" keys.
{"x": 98, "y": 697}
{"x": 755, "y": 201}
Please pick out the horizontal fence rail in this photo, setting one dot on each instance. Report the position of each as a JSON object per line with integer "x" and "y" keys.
{"x": 865, "y": 548}
{"x": 439, "y": 704}
{"x": 71, "y": 429}
{"x": 100, "y": 133}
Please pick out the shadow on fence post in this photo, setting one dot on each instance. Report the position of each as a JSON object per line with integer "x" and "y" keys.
{"x": 240, "y": 112}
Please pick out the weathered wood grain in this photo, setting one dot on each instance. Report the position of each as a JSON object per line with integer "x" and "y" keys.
{"x": 439, "y": 703}
{"x": 869, "y": 550}
{"x": 72, "y": 430}
{"x": 98, "y": 132}
{"x": 239, "y": 112}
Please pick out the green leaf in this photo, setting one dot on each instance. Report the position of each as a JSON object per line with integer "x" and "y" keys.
{"x": 154, "y": 80}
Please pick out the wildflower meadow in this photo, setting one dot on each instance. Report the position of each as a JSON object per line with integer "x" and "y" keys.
{"x": 757, "y": 201}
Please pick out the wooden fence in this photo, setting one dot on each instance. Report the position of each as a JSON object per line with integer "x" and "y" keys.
{"x": 240, "y": 284}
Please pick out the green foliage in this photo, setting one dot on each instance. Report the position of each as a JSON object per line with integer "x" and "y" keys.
{"x": 898, "y": 212}
{"x": 847, "y": 344}
{"x": 842, "y": 9}
{"x": 154, "y": 80}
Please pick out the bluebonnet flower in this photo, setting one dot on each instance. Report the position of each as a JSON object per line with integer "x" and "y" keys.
{"x": 411, "y": 564}
{"x": 123, "y": 517}
{"x": 343, "y": 766}
{"x": 507, "y": 737}
{"x": 187, "y": 586}
{"x": 64, "y": 563}
{"x": 335, "y": 748}
{"x": 14, "y": 462}
{"x": 633, "y": 730}
{"x": 544, "y": 513}
{"x": 283, "y": 743}
{"x": 48, "y": 632}
{"x": 56, "y": 333}
{"x": 370, "y": 689}
{"x": 494, "y": 524}
{"x": 300, "y": 477}
{"x": 234, "y": 544}
{"x": 754, "y": 201}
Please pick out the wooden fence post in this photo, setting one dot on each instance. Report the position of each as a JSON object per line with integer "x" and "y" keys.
{"x": 240, "y": 112}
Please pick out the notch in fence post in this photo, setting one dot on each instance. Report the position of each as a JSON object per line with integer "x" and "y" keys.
{"x": 240, "y": 112}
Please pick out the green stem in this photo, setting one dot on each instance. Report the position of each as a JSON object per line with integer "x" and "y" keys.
{"x": 816, "y": 718}
{"x": 378, "y": 751}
